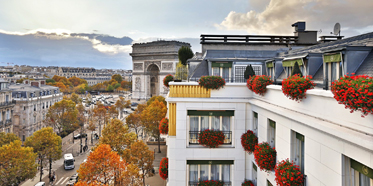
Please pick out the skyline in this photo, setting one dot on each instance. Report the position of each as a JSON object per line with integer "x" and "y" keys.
{"x": 98, "y": 34}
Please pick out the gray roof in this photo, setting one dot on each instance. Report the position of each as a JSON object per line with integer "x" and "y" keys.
{"x": 360, "y": 40}
{"x": 367, "y": 66}
{"x": 233, "y": 54}
{"x": 201, "y": 70}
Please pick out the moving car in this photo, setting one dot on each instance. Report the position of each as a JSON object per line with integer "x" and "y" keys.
{"x": 73, "y": 179}
{"x": 40, "y": 184}
{"x": 78, "y": 136}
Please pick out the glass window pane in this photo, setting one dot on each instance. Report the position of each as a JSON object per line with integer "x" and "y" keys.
{"x": 193, "y": 123}
{"x": 204, "y": 172}
{"x": 226, "y": 123}
{"x": 215, "y": 71}
{"x": 364, "y": 180}
{"x": 226, "y": 74}
{"x": 215, "y": 123}
{"x": 226, "y": 173}
{"x": 193, "y": 173}
{"x": 204, "y": 123}
{"x": 214, "y": 172}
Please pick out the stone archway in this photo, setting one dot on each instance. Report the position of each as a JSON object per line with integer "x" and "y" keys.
{"x": 153, "y": 72}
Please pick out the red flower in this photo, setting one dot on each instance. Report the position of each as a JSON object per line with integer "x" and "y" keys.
{"x": 265, "y": 156}
{"x": 286, "y": 173}
{"x": 211, "y": 138}
{"x": 163, "y": 168}
{"x": 210, "y": 183}
{"x": 211, "y": 82}
{"x": 258, "y": 84}
{"x": 248, "y": 141}
{"x": 295, "y": 87}
{"x": 167, "y": 79}
{"x": 163, "y": 126}
{"x": 247, "y": 183}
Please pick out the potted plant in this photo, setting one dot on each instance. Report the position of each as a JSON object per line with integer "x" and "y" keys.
{"x": 210, "y": 183}
{"x": 249, "y": 141}
{"x": 163, "y": 126}
{"x": 259, "y": 84}
{"x": 265, "y": 156}
{"x": 211, "y": 138}
{"x": 167, "y": 79}
{"x": 211, "y": 82}
{"x": 249, "y": 82}
{"x": 287, "y": 173}
{"x": 355, "y": 92}
{"x": 247, "y": 183}
{"x": 163, "y": 168}
{"x": 295, "y": 87}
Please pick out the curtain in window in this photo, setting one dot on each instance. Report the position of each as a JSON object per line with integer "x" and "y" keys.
{"x": 204, "y": 172}
{"x": 215, "y": 123}
{"x": 226, "y": 74}
{"x": 226, "y": 173}
{"x": 193, "y": 173}
{"x": 214, "y": 172}
{"x": 215, "y": 71}
{"x": 226, "y": 123}
{"x": 193, "y": 123}
{"x": 364, "y": 180}
{"x": 204, "y": 123}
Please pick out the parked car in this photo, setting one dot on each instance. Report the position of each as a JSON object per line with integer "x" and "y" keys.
{"x": 73, "y": 179}
{"x": 78, "y": 136}
{"x": 134, "y": 104}
{"x": 40, "y": 184}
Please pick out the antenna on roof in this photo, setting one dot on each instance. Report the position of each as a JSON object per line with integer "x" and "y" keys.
{"x": 337, "y": 29}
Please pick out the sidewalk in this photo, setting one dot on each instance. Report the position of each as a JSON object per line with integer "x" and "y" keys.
{"x": 156, "y": 180}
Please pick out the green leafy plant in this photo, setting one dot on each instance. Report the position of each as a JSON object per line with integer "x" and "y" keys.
{"x": 249, "y": 72}
{"x": 185, "y": 53}
{"x": 296, "y": 70}
{"x": 167, "y": 79}
{"x": 211, "y": 82}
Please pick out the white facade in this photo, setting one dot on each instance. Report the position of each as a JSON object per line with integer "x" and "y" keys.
{"x": 333, "y": 137}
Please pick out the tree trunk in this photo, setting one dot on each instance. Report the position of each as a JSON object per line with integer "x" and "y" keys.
{"x": 41, "y": 168}
{"x": 143, "y": 179}
{"x": 99, "y": 124}
{"x": 92, "y": 137}
{"x": 50, "y": 168}
{"x": 159, "y": 142}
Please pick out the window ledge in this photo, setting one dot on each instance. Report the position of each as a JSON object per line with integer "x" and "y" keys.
{"x": 220, "y": 147}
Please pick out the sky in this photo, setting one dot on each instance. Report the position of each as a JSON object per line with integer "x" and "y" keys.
{"x": 99, "y": 34}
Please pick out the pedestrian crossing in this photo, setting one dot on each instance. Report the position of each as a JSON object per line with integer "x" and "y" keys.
{"x": 62, "y": 181}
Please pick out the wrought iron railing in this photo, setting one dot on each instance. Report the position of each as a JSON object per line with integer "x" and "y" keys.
{"x": 195, "y": 183}
{"x": 245, "y": 39}
{"x": 194, "y": 136}
{"x": 227, "y": 80}
{"x": 6, "y": 103}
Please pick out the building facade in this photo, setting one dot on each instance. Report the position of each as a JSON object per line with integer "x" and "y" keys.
{"x": 31, "y": 106}
{"x": 330, "y": 145}
{"x": 152, "y": 61}
{"x": 69, "y": 72}
{"x": 6, "y": 107}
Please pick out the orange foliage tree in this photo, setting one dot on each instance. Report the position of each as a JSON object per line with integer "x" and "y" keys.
{"x": 150, "y": 118}
{"x": 103, "y": 166}
{"x": 143, "y": 158}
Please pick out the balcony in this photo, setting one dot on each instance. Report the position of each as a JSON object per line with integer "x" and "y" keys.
{"x": 7, "y": 103}
{"x": 1, "y": 123}
{"x": 194, "y": 136}
{"x": 195, "y": 183}
{"x": 8, "y": 122}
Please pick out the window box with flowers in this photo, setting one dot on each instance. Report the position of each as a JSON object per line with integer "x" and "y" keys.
{"x": 163, "y": 126}
{"x": 163, "y": 168}
{"x": 211, "y": 82}
{"x": 167, "y": 79}
{"x": 247, "y": 183}
{"x": 295, "y": 87}
{"x": 287, "y": 173}
{"x": 211, "y": 138}
{"x": 210, "y": 183}
{"x": 265, "y": 156}
{"x": 355, "y": 92}
{"x": 249, "y": 141}
{"x": 258, "y": 84}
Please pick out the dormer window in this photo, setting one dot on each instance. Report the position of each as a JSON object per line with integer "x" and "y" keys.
{"x": 222, "y": 69}
{"x": 333, "y": 67}
{"x": 288, "y": 65}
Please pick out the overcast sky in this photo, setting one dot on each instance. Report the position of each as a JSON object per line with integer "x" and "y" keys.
{"x": 97, "y": 33}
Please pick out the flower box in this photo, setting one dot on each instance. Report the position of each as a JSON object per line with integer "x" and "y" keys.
{"x": 265, "y": 156}
{"x": 163, "y": 168}
{"x": 287, "y": 173}
{"x": 247, "y": 183}
{"x": 211, "y": 138}
{"x": 167, "y": 79}
{"x": 258, "y": 84}
{"x": 210, "y": 183}
{"x": 211, "y": 82}
{"x": 163, "y": 126}
{"x": 295, "y": 87}
{"x": 355, "y": 92}
{"x": 249, "y": 141}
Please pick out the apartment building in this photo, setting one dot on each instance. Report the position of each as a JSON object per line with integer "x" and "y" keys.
{"x": 6, "y": 107}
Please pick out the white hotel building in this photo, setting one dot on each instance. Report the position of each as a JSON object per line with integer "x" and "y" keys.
{"x": 332, "y": 146}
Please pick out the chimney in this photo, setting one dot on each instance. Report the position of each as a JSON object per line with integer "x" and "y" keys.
{"x": 35, "y": 84}
{"x": 304, "y": 37}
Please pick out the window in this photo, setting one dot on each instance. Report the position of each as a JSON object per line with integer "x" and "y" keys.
{"x": 269, "y": 183}
{"x": 209, "y": 170}
{"x": 255, "y": 174}
{"x": 23, "y": 138}
{"x": 34, "y": 119}
{"x": 222, "y": 69}
{"x": 357, "y": 174}
{"x": 7, "y": 114}
{"x": 255, "y": 123}
{"x": 257, "y": 69}
{"x": 298, "y": 150}
{"x": 24, "y": 108}
{"x": 272, "y": 133}
{"x": 214, "y": 120}
{"x": 239, "y": 72}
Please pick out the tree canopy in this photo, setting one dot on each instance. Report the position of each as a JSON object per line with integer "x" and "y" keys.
{"x": 117, "y": 78}
{"x": 296, "y": 70}
{"x": 143, "y": 158}
{"x": 159, "y": 98}
{"x": 184, "y": 54}
{"x": 6, "y": 138}
{"x": 249, "y": 72}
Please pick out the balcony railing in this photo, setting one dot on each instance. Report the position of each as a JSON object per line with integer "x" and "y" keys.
{"x": 194, "y": 136}
{"x": 227, "y": 80}
{"x": 246, "y": 39}
{"x": 195, "y": 183}
{"x": 1, "y": 123}
{"x": 7, "y": 103}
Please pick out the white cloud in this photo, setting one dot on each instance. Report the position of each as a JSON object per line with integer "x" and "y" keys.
{"x": 279, "y": 15}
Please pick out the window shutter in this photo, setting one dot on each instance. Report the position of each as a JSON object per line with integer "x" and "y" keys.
{"x": 210, "y": 162}
{"x": 222, "y": 64}
{"x": 329, "y": 58}
{"x": 290, "y": 63}
{"x": 362, "y": 168}
{"x": 210, "y": 113}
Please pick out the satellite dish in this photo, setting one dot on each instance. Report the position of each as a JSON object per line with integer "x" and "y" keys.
{"x": 337, "y": 29}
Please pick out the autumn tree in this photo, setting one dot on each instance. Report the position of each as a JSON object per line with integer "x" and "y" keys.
{"x": 117, "y": 136}
{"x": 150, "y": 118}
{"x": 110, "y": 88}
{"x": 159, "y": 98}
{"x": 47, "y": 145}
{"x": 6, "y": 138}
{"x": 102, "y": 166}
{"x": 133, "y": 121}
{"x": 142, "y": 157}
{"x": 117, "y": 78}
{"x": 63, "y": 116}
{"x": 113, "y": 112}
{"x": 81, "y": 121}
{"x": 17, "y": 163}
{"x": 100, "y": 114}
{"x": 75, "y": 98}
{"x": 84, "y": 183}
